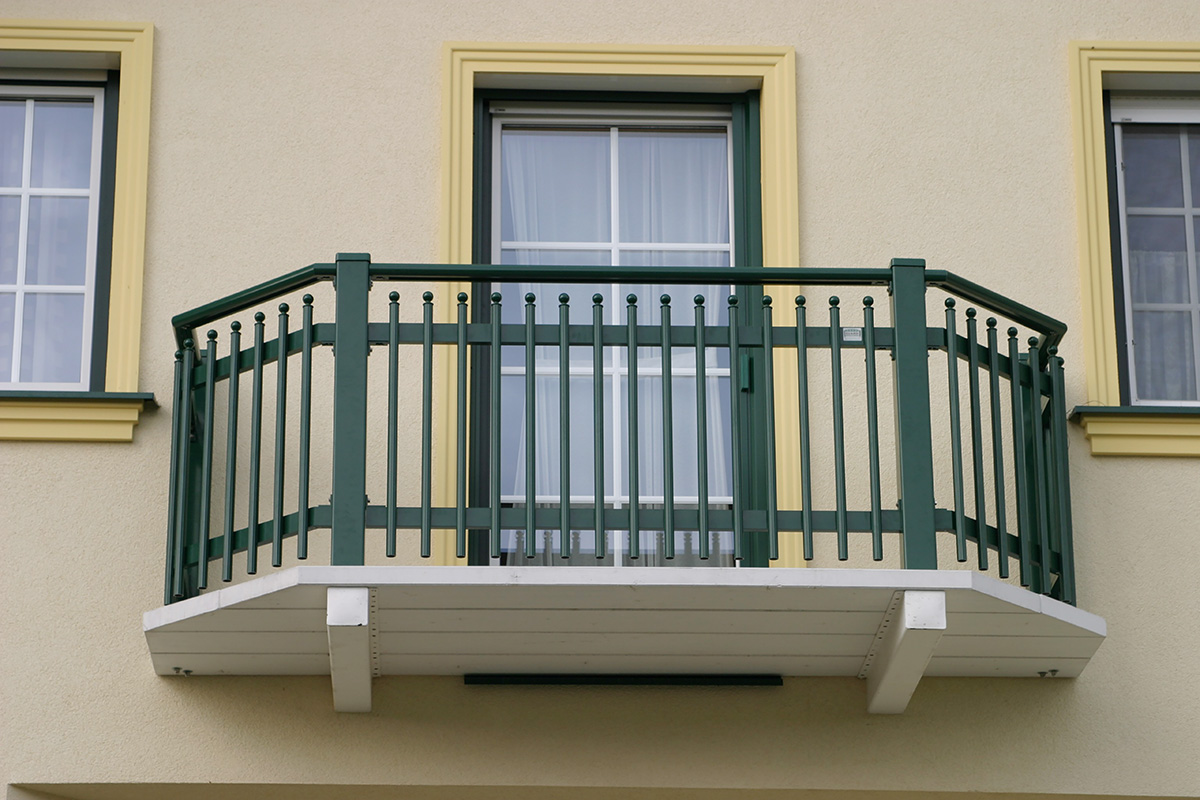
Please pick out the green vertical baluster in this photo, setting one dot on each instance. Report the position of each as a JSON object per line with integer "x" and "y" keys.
{"x": 769, "y": 390}
{"x": 873, "y": 428}
{"x": 530, "y": 427}
{"x": 1063, "y": 472}
{"x": 280, "y": 437}
{"x": 735, "y": 432}
{"x": 977, "y": 437}
{"x": 960, "y": 525}
{"x": 393, "y": 422}
{"x": 1039, "y": 464}
{"x": 305, "y": 427}
{"x": 668, "y": 434}
{"x": 564, "y": 430}
{"x": 702, "y": 427}
{"x": 460, "y": 471}
{"x": 839, "y": 433}
{"x": 210, "y": 418}
{"x": 1020, "y": 460}
{"x": 231, "y": 440}
{"x": 173, "y": 535}
{"x": 255, "y": 446}
{"x": 997, "y": 445}
{"x": 598, "y": 420}
{"x": 426, "y": 423}
{"x": 635, "y": 534}
{"x": 184, "y": 476}
{"x": 494, "y": 428}
{"x": 805, "y": 446}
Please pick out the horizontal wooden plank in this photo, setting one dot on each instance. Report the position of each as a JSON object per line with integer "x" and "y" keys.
{"x": 650, "y": 665}
{"x": 680, "y": 645}
{"x": 1018, "y": 646}
{"x": 253, "y": 619}
{"x": 605, "y": 597}
{"x": 246, "y": 642}
{"x": 504, "y": 620}
{"x": 243, "y": 663}
{"x": 993, "y": 667}
{"x": 1009, "y": 624}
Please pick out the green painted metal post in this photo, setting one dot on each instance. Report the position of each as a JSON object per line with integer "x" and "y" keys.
{"x": 350, "y": 410}
{"x": 914, "y": 437}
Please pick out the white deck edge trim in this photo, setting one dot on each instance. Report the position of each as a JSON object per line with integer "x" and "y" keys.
{"x": 814, "y": 578}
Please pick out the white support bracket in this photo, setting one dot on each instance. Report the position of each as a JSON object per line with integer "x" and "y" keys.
{"x": 907, "y": 638}
{"x": 348, "y": 617}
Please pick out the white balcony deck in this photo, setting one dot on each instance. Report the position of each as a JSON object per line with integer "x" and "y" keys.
{"x": 889, "y": 626}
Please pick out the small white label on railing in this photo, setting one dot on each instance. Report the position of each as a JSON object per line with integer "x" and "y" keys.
{"x": 852, "y": 334}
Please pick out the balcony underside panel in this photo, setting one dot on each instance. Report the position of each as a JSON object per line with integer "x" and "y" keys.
{"x": 455, "y": 620}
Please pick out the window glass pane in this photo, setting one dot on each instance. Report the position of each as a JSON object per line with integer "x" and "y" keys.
{"x": 57, "y": 249}
{"x": 1164, "y": 354}
{"x": 554, "y": 186}
{"x": 546, "y": 459}
{"x": 10, "y": 234}
{"x": 62, "y": 144}
{"x": 8, "y": 312}
{"x": 1158, "y": 261}
{"x": 674, "y": 186}
{"x": 52, "y": 338}
{"x": 1153, "y": 175}
{"x": 12, "y": 141}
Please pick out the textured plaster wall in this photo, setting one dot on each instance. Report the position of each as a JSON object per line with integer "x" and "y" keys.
{"x": 284, "y": 132}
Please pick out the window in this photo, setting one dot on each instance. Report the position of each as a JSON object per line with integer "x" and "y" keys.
{"x": 769, "y": 72}
{"x": 103, "y": 403}
{"x": 51, "y": 154}
{"x": 1140, "y": 354}
{"x": 1156, "y": 146}
{"x": 646, "y": 182}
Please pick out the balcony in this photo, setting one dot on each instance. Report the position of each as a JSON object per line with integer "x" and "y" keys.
{"x": 932, "y": 540}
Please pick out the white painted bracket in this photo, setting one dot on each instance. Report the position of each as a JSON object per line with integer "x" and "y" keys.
{"x": 348, "y": 617}
{"x": 909, "y": 636}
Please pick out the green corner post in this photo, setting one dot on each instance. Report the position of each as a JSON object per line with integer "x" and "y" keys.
{"x": 352, "y": 284}
{"x": 914, "y": 436}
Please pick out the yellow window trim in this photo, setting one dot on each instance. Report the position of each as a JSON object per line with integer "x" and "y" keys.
{"x": 131, "y": 43}
{"x": 1090, "y": 62}
{"x": 771, "y": 69}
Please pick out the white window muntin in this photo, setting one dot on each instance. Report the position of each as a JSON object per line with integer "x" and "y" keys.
{"x": 21, "y": 289}
{"x": 614, "y": 118}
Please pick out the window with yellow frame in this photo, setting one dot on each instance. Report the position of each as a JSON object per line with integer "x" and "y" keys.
{"x": 1127, "y": 413}
{"x": 49, "y": 64}
{"x": 769, "y": 71}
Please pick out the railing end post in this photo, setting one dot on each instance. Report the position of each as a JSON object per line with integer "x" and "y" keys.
{"x": 914, "y": 435}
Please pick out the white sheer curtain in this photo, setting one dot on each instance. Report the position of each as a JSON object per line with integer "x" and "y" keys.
{"x": 559, "y": 192}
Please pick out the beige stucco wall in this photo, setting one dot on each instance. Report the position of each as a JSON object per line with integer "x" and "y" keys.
{"x": 284, "y": 132}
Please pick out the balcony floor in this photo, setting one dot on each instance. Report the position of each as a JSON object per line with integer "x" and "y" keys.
{"x": 462, "y": 620}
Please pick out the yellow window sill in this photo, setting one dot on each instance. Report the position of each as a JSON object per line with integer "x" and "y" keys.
{"x": 59, "y": 417}
{"x": 1140, "y": 430}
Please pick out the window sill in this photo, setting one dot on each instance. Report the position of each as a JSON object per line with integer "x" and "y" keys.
{"x": 71, "y": 416}
{"x": 1140, "y": 430}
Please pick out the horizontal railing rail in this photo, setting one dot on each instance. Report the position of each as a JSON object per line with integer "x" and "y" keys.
{"x": 1001, "y": 455}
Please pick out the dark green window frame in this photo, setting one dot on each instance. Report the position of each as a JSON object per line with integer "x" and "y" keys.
{"x": 747, "y": 237}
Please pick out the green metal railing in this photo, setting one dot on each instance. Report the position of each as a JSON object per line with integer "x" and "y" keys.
{"x": 1024, "y": 515}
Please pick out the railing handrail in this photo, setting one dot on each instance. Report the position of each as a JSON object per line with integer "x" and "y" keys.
{"x": 1051, "y": 329}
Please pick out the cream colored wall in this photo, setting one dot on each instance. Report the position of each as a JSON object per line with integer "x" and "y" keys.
{"x": 284, "y": 132}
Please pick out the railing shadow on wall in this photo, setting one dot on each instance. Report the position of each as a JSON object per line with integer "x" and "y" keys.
{"x": 264, "y": 428}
